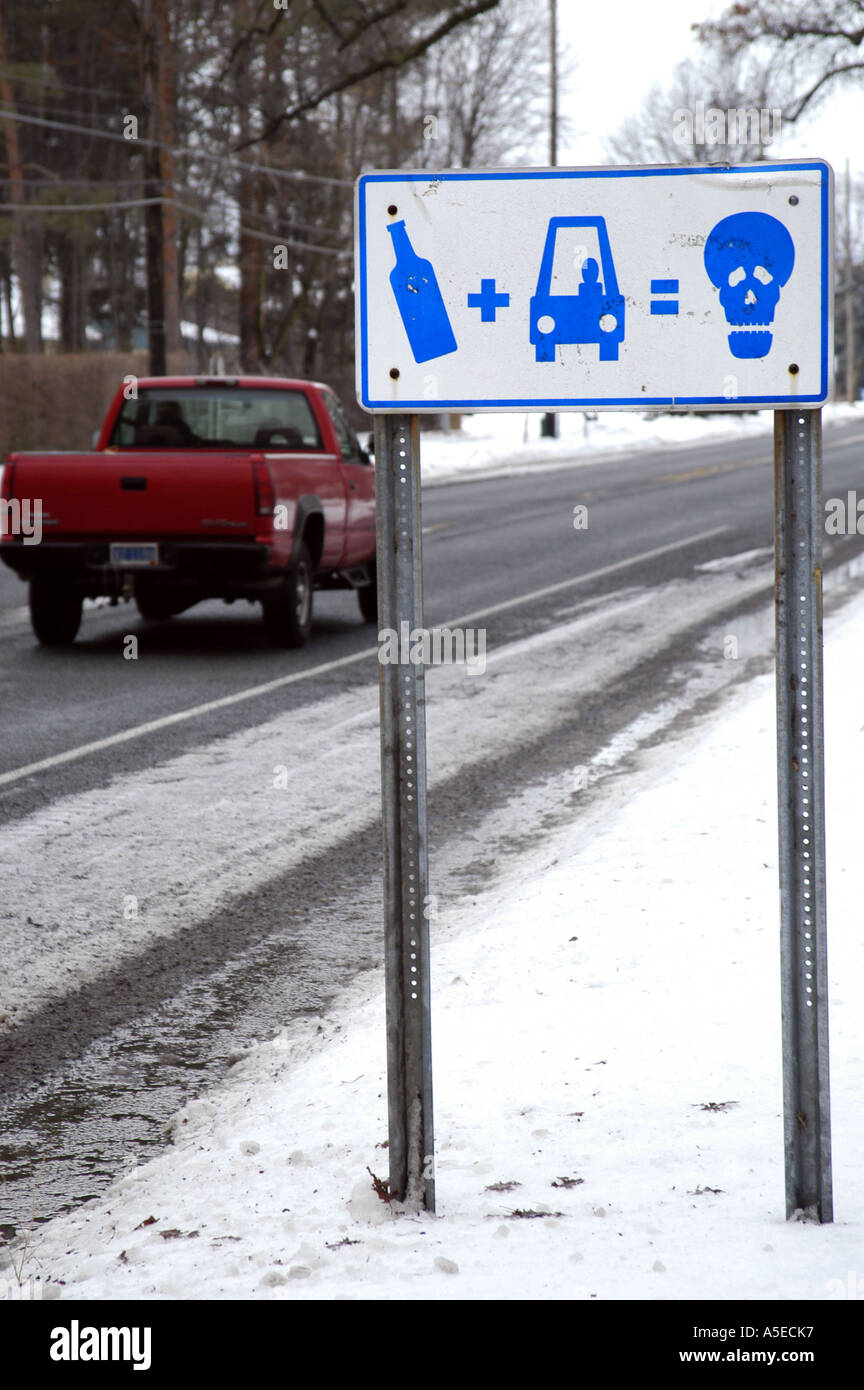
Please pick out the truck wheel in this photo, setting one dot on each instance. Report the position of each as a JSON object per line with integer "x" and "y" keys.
{"x": 367, "y": 597}
{"x": 55, "y": 612}
{"x": 288, "y": 614}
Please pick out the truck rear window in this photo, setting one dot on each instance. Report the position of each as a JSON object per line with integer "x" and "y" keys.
{"x": 196, "y": 418}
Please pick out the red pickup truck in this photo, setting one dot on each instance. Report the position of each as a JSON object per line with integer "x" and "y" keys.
{"x": 199, "y": 487}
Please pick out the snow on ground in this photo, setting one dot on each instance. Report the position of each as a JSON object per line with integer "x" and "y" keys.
{"x": 606, "y": 1042}
{"x": 245, "y": 809}
{"x": 510, "y": 443}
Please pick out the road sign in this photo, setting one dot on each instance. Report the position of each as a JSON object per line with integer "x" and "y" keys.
{"x": 623, "y": 288}
{"x": 620, "y": 288}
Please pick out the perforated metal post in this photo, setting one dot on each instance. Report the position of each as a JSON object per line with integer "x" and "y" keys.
{"x": 403, "y": 783}
{"x": 801, "y": 788}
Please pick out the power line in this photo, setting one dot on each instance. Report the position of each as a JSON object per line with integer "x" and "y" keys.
{"x": 17, "y": 78}
{"x": 28, "y": 208}
{"x": 144, "y": 202}
{"x": 253, "y": 213}
{"x": 273, "y": 238}
{"x": 48, "y": 109}
{"x": 182, "y": 150}
{"x": 104, "y": 204}
{"x": 55, "y": 182}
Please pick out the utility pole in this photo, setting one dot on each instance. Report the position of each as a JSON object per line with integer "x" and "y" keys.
{"x": 165, "y": 104}
{"x": 154, "y": 226}
{"x": 553, "y": 79}
{"x": 851, "y": 374}
{"x": 549, "y": 422}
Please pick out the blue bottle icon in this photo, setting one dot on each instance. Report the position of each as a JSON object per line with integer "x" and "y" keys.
{"x": 419, "y": 300}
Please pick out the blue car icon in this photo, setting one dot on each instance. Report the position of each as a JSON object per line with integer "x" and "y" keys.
{"x": 593, "y": 314}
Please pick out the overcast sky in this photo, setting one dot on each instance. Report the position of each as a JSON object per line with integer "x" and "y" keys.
{"x": 619, "y": 48}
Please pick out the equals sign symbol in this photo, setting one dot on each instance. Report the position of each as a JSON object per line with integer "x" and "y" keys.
{"x": 664, "y": 306}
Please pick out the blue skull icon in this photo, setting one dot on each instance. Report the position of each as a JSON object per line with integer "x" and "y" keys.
{"x": 749, "y": 257}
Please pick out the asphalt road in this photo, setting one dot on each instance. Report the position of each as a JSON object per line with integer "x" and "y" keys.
{"x": 91, "y": 1081}
{"x": 485, "y": 543}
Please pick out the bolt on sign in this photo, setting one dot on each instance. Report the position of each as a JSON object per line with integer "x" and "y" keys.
{"x": 623, "y": 288}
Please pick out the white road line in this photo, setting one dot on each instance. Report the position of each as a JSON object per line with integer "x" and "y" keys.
{"x": 139, "y": 730}
{"x": 166, "y": 720}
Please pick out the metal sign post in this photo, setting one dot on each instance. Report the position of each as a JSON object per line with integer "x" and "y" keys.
{"x": 403, "y": 780}
{"x": 667, "y": 287}
{"x": 801, "y": 792}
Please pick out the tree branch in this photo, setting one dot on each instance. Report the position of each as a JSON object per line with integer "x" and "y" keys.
{"x": 371, "y": 19}
{"x": 394, "y": 59}
{"x": 328, "y": 19}
{"x": 808, "y": 96}
{"x": 245, "y": 39}
{"x": 743, "y": 23}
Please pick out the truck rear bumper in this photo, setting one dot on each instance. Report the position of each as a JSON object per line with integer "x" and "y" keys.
{"x": 213, "y": 566}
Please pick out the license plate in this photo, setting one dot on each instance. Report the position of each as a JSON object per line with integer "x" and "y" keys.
{"x": 128, "y": 556}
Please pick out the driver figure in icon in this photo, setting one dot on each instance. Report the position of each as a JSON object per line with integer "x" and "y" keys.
{"x": 590, "y": 292}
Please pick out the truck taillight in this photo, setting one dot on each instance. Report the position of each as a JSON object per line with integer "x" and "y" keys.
{"x": 265, "y": 497}
{"x": 7, "y": 493}
{"x": 8, "y": 490}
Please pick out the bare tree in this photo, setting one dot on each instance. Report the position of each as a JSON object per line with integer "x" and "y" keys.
{"x": 363, "y": 41}
{"x": 25, "y": 252}
{"x": 810, "y": 45}
{"x": 480, "y": 97}
{"x": 714, "y": 112}
{"x": 849, "y": 317}
{"x": 813, "y": 48}
{"x": 262, "y": 114}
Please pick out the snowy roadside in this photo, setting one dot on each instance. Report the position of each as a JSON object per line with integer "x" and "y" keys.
{"x": 607, "y": 1063}
{"x": 493, "y": 444}
{"x": 489, "y": 445}
{"x": 248, "y": 807}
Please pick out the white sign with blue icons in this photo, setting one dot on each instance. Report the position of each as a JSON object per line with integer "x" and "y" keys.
{"x": 623, "y": 288}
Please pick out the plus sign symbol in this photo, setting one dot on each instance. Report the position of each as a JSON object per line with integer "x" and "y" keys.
{"x": 488, "y": 301}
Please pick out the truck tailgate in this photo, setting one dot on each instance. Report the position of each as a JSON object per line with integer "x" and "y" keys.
{"x": 140, "y": 493}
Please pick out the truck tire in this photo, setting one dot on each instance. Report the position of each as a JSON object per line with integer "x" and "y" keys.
{"x": 288, "y": 613}
{"x": 55, "y": 612}
{"x": 367, "y": 596}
